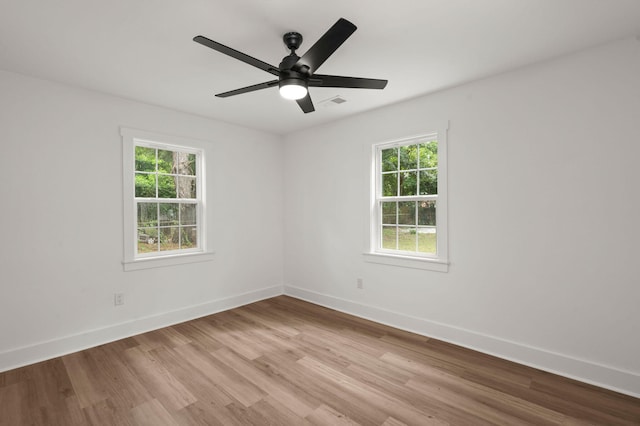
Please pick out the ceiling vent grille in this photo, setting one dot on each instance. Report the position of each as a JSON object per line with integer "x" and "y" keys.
{"x": 336, "y": 100}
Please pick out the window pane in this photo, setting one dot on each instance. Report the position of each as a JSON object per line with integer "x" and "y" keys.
{"x": 407, "y": 238}
{"x": 184, "y": 163}
{"x": 166, "y": 186}
{"x": 389, "y": 213}
{"x": 428, "y": 182}
{"x": 408, "y": 157}
{"x": 427, "y": 213}
{"x": 408, "y": 183}
{"x": 169, "y": 238}
{"x": 145, "y": 159}
{"x": 186, "y": 187}
{"x": 390, "y": 185}
{"x": 389, "y": 235}
{"x": 427, "y": 240}
{"x": 407, "y": 213}
{"x": 188, "y": 237}
{"x": 192, "y": 164}
{"x": 147, "y": 240}
{"x": 428, "y": 154}
{"x": 165, "y": 161}
{"x": 147, "y": 214}
{"x": 145, "y": 185}
{"x": 389, "y": 160}
{"x": 168, "y": 214}
{"x": 188, "y": 214}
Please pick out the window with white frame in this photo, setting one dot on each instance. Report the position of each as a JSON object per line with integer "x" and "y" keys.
{"x": 164, "y": 199}
{"x": 408, "y": 208}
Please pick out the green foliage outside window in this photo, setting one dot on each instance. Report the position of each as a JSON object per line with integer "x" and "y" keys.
{"x": 410, "y": 170}
{"x": 158, "y": 168}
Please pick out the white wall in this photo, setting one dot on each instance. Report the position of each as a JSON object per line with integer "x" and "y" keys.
{"x": 543, "y": 214}
{"x": 62, "y": 222}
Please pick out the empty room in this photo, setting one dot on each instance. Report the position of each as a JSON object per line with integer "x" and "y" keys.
{"x": 269, "y": 212}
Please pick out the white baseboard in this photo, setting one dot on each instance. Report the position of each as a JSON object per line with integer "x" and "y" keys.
{"x": 585, "y": 371}
{"x": 42, "y": 351}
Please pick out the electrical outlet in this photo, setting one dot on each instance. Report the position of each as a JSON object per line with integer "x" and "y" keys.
{"x": 360, "y": 283}
{"x": 118, "y": 299}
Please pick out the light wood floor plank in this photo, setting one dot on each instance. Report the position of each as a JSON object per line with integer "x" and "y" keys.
{"x": 152, "y": 413}
{"x": 275, "y": 389}
{"x": 158, "y": 380}
{"x": 105, "y": 412}
{"x": 14, "y": 403}
{"x": 327, "y": 416}
{"x": 116, "y": 374}
{"x": 196, "y": 381}
{"x": 225, "y": 378}
{"x": 82, "y": 374}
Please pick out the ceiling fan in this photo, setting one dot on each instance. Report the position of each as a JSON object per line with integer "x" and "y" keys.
{"x": 296, "y": 74}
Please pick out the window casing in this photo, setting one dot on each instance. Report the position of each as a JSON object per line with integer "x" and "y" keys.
{"x": 164, "y": 203}
{"x": 408, "y": 208}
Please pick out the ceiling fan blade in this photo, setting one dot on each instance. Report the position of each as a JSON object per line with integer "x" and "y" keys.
{"x": 248, "y": 89}
{"x": 237, "y": 55}
{"x": 306, "y": 104}
{"x": 325, "y": 46}
{"x": 321, "y": 80}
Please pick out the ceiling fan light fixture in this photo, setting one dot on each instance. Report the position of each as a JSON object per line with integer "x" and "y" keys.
{"x": 293, "y": 88}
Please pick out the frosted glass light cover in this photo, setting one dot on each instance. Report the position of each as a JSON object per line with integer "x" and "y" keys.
{"x": 293, "y": 91}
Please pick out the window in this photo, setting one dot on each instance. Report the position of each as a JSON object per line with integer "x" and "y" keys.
{"x": 164, "y": 200}
{"x": 408, "y": 203}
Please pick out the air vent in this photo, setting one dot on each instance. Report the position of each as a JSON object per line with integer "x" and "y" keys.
{"x": 336, "y": 100}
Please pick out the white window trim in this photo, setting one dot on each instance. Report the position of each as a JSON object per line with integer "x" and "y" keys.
{"x": 438, "y": 262}
{"x": 131, "y": 262}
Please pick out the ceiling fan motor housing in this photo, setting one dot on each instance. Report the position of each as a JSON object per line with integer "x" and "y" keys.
{"x": 287, "y": 75}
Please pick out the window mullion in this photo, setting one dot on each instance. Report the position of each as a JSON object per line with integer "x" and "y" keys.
{"x": 136, "y": 226}
{"x": 156, "y": 172}
{"x": 168, "y": 200}
{"x": 397, "y": 177}
{"x": 179, "y": 226}
{"x": 380, "y": 226}
{"x": 157, "y": 226}
{"x": 410, "y": 198}
{"x": 415, "y": 224}
{"x": 417, "y": 183}
{"x": 397, "y": 227}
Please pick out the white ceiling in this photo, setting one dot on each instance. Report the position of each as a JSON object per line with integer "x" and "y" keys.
{"x": 143, "y": 49}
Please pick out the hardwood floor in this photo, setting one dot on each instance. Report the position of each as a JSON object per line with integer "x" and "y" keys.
{"x": 286, "y": 362}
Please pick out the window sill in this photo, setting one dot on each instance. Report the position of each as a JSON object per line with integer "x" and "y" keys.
{"x": 437, "y": 265}
{"x": 159, "y": 262}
